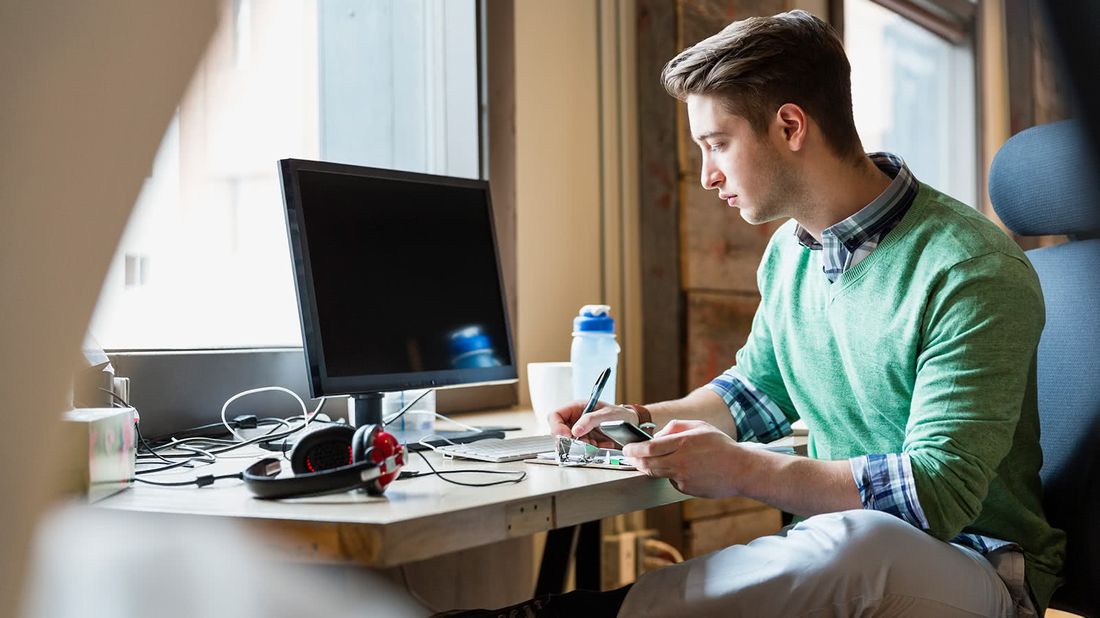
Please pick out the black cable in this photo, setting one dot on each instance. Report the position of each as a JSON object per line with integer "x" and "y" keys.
{"x": 141, "y": 439}
{"x": 137, "y": 430}
{"x": 203, "y": 456}
{"x": 199, "y": 456}
{"x": 240, "y": 422}
{"x": 232, "y": 445}
{"x": 271, "y": 436}
{"x": 213, "y": 442}
{"x": 522, "y": 474}
{"x": 116, "y": 396}
{"x": 175, "y": 464}
{"x": 201, "y": 481}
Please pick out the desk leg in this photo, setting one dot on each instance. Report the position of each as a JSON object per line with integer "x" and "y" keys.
{"x": 562, "y": 545}
{"x": 588, "y": 556}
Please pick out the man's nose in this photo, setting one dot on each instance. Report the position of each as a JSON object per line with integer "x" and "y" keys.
{"x": 711, "y": 177}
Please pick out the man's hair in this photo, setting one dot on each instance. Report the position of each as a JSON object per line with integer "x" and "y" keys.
{"x": 756, "y": 65}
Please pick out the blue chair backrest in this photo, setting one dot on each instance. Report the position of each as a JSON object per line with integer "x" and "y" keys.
{"x": 1044, "y": 181}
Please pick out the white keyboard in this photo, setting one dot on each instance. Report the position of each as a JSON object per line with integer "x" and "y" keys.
{"x": 497, "y": 450}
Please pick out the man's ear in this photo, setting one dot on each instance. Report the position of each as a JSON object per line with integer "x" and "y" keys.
{"x": 793, "y": 124}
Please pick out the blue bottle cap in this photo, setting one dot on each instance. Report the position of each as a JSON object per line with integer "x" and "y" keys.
{"x": 594, "y": 319}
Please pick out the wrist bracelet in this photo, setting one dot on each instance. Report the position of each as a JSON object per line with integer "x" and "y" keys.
{"x": 644, "y": 417}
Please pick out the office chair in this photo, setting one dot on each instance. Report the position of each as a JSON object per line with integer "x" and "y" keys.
{"x": 1044, "y": 181}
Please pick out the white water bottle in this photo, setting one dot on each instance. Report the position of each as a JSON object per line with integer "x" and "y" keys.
{"x": 594, "y": 350}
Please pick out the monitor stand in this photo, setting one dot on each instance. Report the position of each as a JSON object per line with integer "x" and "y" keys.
{"x": 367, "y": 410}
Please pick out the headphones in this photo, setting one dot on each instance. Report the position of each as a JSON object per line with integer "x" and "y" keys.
{"x": 332, "y": 459}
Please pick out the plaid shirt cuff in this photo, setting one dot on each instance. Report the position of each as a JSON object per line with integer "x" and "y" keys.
{"x": 756, "y": 417}
{"x": 983, "y": 544}
{"x": 885, "y": 483}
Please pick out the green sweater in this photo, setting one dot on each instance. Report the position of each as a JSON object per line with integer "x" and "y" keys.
{"x": 926, "y": 347}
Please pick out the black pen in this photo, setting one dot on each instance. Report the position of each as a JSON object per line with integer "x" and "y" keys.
{"x": 597, "y": 390}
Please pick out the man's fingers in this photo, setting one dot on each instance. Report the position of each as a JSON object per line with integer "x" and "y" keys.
{"x": 560, "y": 429}
{"x": 567, "y": 414}
{"x": 657, "y": 447}
{"x": 677, "y": 426}
{"x": 591, "y": 421}
{"x": 561, "y": 421}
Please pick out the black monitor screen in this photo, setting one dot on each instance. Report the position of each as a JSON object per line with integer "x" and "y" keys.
{"x": 398, "y": 280}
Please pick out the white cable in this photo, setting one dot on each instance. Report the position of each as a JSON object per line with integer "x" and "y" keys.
{"x": 463, "y": 425}
{"x": 422, "y": 442}
{"x": 305, "y": 412}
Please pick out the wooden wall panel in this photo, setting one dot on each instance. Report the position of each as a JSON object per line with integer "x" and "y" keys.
{"x": 721, "y": 250}
{"x": 689, "y": 240}
{"x": 702, "y": 18}
{"x": 699, "y": 258}
{"x": 717, "y": 326}
{"x": 659, "y": 203}
{"x": 702, "y": 508}
{"x": 707, "y": 535}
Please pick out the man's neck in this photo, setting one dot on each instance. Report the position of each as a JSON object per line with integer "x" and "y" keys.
{"x": 840, "y": 189}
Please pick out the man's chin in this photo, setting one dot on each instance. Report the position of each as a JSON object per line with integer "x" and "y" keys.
{"x": 753, "y": 217}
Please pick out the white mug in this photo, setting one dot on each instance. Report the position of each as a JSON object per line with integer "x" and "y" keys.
{"x": 551, "y": 386}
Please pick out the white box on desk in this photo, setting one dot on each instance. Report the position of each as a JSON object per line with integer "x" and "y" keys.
{"x": 100, "y": 451}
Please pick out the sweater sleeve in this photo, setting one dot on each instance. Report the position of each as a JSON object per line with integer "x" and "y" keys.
{"x": 980, "y": 330}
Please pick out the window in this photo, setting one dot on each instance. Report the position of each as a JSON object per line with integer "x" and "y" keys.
{"x": 204, "y": 261}
{"x": 913, "y": 94}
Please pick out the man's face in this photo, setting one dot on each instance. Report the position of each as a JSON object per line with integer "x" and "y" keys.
{"x": 746, "y": 169}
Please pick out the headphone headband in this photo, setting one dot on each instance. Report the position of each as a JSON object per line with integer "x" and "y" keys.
{"x": 375, "y": 458}
{"x": 261, "y": 481}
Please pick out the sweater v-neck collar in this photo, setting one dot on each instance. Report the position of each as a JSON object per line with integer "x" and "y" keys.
{"x": 849, "y": 277}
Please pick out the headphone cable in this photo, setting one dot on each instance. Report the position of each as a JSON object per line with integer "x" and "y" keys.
{"x": 442, "y": 475}
{"x": 201, "y": 481}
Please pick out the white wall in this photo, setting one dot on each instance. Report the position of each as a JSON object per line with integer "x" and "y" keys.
{"x": 557, "y": 175}
{"x": 576, "y": 178}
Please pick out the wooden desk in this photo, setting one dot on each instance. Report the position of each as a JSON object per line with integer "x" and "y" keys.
{"x": 417, "y": 518}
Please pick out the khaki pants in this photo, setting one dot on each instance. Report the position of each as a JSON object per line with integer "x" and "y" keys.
{"x": 855, "y": 563}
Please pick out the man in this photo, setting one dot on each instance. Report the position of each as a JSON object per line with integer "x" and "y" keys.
{"x": 897, "y": 323}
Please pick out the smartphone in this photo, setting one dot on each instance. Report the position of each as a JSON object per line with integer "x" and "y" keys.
{"x": 623, "y": 432}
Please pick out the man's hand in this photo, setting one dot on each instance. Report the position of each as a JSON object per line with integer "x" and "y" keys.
{"x": 695, "y": 456}
{"x": 568, "y": 421}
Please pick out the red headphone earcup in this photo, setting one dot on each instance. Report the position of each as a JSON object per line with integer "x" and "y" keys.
{"x": 385, "y": 446}
{"x": 372, "y": 443}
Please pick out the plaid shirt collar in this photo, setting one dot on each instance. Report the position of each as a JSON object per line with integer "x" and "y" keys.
{"x": 874, "y": 220}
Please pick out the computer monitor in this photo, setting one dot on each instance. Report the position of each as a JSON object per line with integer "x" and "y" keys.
{"x": 398, "y": 281}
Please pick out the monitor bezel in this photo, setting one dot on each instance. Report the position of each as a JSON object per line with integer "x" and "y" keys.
{"x": 320, "y": 383}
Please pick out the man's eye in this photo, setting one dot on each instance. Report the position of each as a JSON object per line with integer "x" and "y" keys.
{"x": 715, "y": 147}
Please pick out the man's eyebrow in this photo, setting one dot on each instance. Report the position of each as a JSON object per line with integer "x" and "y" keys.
{"x": 709, "y": 135}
